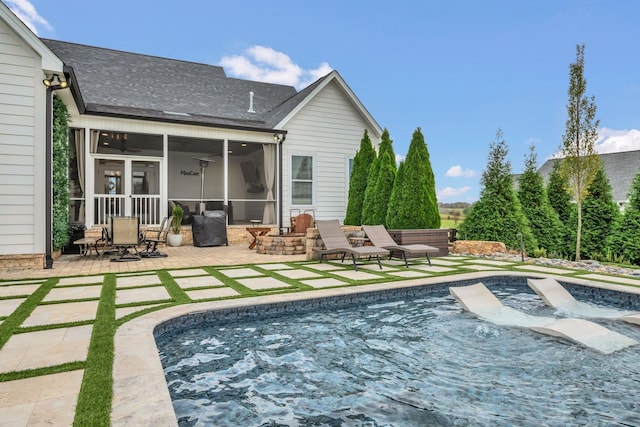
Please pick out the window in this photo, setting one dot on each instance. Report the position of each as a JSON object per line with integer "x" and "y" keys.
{"x": 301, "y": 180}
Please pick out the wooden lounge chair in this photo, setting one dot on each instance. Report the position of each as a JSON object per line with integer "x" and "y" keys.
{"x": 379, "y": 236}
{"x": 152, "y": 237}
{"x": 335, "y": 242}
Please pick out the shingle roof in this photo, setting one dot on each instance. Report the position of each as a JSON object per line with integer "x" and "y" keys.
{"x": 121, "y": 83}
{"x": 620, "y": 168}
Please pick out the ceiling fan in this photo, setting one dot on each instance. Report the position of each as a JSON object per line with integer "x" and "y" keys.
{"x": 117, "y": 141}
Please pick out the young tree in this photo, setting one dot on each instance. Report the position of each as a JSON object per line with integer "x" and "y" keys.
{"x": 358, "y": 180}
{"x": 373, "y": 206}
{"x": 413, "y": 203}
{"x": 625, "y": 236}
{"x": 599, "y": 213}
{"x": 497, "y": 215}
{"x": 580, "y": 163}
{"x": 543, "y": 219}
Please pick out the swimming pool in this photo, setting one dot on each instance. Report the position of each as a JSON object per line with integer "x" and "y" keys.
{"x": 404, "y": 359}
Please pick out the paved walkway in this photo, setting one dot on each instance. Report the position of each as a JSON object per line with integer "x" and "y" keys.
{"x": 50, "y": 322}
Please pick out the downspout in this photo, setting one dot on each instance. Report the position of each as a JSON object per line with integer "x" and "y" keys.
{"x": 48, "y": 152}
{"x": 284, "y": 136}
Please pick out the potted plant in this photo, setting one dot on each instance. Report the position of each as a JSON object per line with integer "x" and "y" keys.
{"x": 175, "y": 238}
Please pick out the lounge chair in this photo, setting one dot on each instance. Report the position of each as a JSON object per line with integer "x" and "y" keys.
{"x": 480, "y": 301}
{"x": 125, "y": 235}
{"x": 379, "y": 236}
{"x": 153, "y": 237}
{"x": 336, "y": 242}
{"x": 556, "y": 296}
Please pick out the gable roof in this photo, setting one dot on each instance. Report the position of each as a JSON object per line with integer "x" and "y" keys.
{"x": 49, "y": 61}
{"x": 125, "y": 84}
{"x": 620, "y": 168}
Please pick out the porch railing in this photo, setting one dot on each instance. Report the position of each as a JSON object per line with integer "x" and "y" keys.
{"x": 145, "y": 207}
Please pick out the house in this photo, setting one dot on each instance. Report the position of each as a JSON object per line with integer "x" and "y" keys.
{"x": 620, "y": 168}
{"x": 149, "y": 132}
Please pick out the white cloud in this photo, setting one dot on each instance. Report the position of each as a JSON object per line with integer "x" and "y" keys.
{"x": 28, "y": 14}
{"x": 615, "y": 141}
{"x": 265, "y": 64}
{"x": 457, "y": 171}
{"x": 452, "y": 192}
{"x": 399, "y": 158}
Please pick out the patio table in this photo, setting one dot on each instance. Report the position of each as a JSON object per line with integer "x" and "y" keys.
{"x": 87, "y": 244}
{"x": 255, "y": 232}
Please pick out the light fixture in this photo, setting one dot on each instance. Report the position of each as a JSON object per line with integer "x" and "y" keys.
{"x": 55, "y": 82}
{"x": 277, "y": 137}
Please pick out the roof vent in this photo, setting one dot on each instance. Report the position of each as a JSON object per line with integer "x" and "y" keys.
{"x": 251, "y": 110}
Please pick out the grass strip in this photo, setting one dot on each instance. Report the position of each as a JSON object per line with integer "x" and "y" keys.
{"x": 94, "y": 402}
{"x": 175, "y": 291}
{"x": 30, "y": 373}
{"x": 24, "y": 310}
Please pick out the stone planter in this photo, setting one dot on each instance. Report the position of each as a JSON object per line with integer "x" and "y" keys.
{"x": 438, "y": 238}
{"x": 174, "y": 240}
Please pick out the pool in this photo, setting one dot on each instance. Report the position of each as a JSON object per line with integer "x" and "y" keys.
{"x": 402, "y": 358}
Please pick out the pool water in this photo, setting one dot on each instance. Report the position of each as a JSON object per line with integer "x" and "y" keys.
{"x": 403, "y": 362}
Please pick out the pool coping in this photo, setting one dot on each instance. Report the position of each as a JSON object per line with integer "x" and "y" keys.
{"x": 140, "y": 392}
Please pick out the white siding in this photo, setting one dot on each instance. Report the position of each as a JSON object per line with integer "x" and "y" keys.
{"x": 329, "y": 128}
{"x": 21, "y": 147}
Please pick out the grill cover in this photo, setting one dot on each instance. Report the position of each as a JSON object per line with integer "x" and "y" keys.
{"x": 210, "y": 229}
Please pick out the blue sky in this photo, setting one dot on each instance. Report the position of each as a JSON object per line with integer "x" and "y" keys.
{"x": 459, "y": 70}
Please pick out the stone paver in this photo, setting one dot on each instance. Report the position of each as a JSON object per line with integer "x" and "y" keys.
{"x": 298, "y": 274}
{"x": 75, "y": 292}
{"x": 603, "y": 277}
{"x": 356, "y": 275}
{"x": 492, "y": 262}
{"x": 274, "y": 266}
{"x": 409, "y": 274}
{"x": 261, "y": 283}
{"x": 44, "y": 400}
{"x": 39, "y": 349}
{"x": 153, "y": 293}
{"x": 211, "y": 293}
{"x": 83, "y": 280}
{"x": 22, "y": 282}
{"x": 326, "y": 266}
{"x": 188, "y": 272}
{"x": 542, "y": 269}
{"x": 440, "y": 261}
{"x": 17, "y": 290}
{"x": 198, "y": 282}
{"x": 141, "y": 280}
{"x": 481, "y": 267}
{"x": 374, "y": 267}
{"x": 8, "y": 306}
{"x": 240, "y": 272}
{"x": 124, "y": 311}
{"x": 432, "y": 268}
{"x": 51, "y": 314}
{"x": 325, "y": 282}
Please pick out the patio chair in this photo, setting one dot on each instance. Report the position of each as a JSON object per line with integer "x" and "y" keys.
{"x": 152, "y": 237}
{"x": 125, "y": 235}
{"x": 300, "y": 223}
{"x": 335, "y": 242}
{"x": 379, "y": 236}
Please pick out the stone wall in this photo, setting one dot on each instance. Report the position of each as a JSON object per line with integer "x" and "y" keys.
{"x": 281, "y": 245}
{"x": 478, "y": 247}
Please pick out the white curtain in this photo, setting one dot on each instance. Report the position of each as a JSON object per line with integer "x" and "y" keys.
{"x": 269, "y": 214}
{"x": 95, "y": 134}
{"x": 79, "y": 139}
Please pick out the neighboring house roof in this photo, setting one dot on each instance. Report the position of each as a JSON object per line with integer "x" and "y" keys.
{"x": 620, "y": 168}
{"x": 49, "y": 61}
{"x": 117, "y": 83}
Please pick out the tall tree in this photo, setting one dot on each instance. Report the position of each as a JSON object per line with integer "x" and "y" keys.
{"x": 384, "y": 186}
{"x": 358, "y": 180}
{"x": 497, "y": 215}
{"x": 560, "y": 200}
{"x": 60, "y": 222}
{"x": 625, "y": 236}
{"x": 371, "y": 209}
{"x": 599, "y": 213}
{"x": 580, "y": 163}
{"x": 543, "y": 219}
{"x": 413, "y": 203}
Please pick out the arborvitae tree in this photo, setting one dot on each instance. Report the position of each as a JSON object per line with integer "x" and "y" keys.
{"x": 374, "y": 208}
{"x": 358, "y": 180}
{"x": 497, "y": 215}
{"x": 625, "y": 236}
{"x": 543, "y": 219}
{"x": 560, "y": 200}
{"x": 580, "y": 163}
{"x": 60, "y": 229}
{"x": 413, "y": 202}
